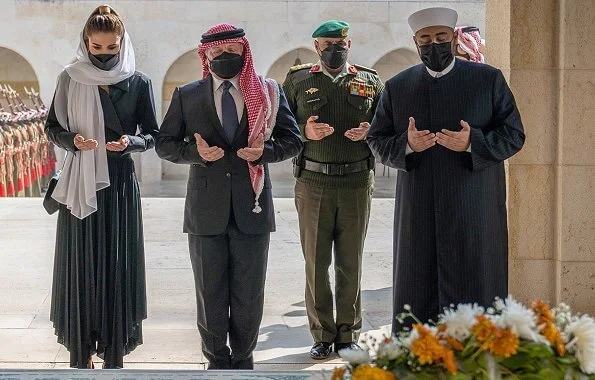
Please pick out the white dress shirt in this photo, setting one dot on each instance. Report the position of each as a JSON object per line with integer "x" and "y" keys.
{"x": 335, "y": 78}
{"x": 437, "y": 74}
{"x": 235, "y": 92}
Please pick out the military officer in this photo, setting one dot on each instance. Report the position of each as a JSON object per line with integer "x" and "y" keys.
{"x": 334, "y": 102}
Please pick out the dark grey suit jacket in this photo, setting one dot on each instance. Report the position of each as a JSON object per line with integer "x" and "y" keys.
{"x": 216, "y": 189}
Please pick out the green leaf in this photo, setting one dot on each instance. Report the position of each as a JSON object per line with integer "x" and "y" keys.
{"x": 470, "y": 348}
{"x": 521, "y": 361}
{"x": 469, "y": 365}
{"x": 536, "y": 350}
{"x": 532, "y": 376}
{"x": 568, "y": 360}
{"x": 550, "y": 373}
{"x": 459, "y": 376}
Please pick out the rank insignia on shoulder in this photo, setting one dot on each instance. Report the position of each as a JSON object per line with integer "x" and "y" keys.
{"x": 293, "y": 69}
{"x": 364, "y": 68}
{"x": 315, "y": 69}
{"x": 311, "y": 90}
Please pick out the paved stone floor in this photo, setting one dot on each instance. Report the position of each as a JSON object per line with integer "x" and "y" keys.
{"x": 171, "y": 339}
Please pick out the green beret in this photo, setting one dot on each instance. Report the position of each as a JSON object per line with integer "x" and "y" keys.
{"x": 332, "y": 29}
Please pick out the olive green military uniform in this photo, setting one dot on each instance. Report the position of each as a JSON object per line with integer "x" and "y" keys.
{"x": 333, "y": 192}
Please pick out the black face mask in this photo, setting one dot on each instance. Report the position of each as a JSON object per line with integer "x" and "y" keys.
{"x": 334, "y": 56}
{"x": 104, "y": 61}
{"x": 436, "y": 57}
{"x": 227, "y": 65}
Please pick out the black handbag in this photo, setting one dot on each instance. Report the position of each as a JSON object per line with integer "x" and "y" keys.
{"x": 50, "y": 204}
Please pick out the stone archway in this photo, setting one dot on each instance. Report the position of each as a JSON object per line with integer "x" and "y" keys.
{"x": 395, "y": 61}
{"x": 187, "y": 68}
{"x": 17, "y": 72}
{"x": 388, "y": 66}
{"x": 279, "y": 69}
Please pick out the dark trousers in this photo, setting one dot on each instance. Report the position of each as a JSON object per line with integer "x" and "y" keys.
{"x": 339, "y": 218}
{"x": 229, "y": 276}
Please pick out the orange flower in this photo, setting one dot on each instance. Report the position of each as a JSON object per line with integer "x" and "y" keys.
{"x": 429, "y": 350}
{"x": 545, "y": 321}
{"x": 505, "y": 343}
{"x": 338, "y": 373}
{"x": 367, "y": 372}
{"x": 542, "y": 310}
{"x": 454, "y": 344}
{"x": 448, "y": 358}
{"x": 483, "y": 329}
{"x": 500, "y": 342}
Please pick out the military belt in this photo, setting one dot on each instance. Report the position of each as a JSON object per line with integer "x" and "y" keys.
{"x": 338, "y": 169}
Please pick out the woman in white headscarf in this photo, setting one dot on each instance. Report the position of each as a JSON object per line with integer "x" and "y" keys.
{"x": 98, "y": 292}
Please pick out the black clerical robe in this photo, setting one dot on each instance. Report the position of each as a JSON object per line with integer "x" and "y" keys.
{"x": 450, "y": 228}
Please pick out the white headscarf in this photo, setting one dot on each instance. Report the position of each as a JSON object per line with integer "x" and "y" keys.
{"x": 78, "y": 107}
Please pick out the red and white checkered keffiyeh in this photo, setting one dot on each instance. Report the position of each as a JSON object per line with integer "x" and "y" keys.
{"x": 261, "y": 97}
{"x": 472, "y": 43}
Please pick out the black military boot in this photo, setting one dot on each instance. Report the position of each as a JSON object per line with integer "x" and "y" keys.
{"x": 320, "y": 350}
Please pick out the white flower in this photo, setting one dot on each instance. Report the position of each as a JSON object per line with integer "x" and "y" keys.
{"x": 389, "y": 349}
{"x": 520, "y": 320}
{"x": 582, "y": 332}
{"x": 355, "y": 357}
{"x": 499, "y": 304}
{"x": 460, "y": 321}
{"x": 413, "y": 335}
{"x": 563, "y": 316}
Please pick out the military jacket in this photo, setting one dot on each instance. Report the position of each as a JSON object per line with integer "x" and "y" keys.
{"x": 343, "y": 103}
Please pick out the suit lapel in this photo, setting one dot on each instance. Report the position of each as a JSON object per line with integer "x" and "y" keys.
{"x": 119, "y": 89}
{"x": 110, "y": 116}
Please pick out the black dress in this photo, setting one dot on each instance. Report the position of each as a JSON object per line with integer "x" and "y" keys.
{"x": 450, "y": 230}
{"x": 98, "y": 290}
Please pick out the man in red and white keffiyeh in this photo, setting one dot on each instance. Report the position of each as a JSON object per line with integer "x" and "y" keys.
{"x": 470, "y": 45}
{"x": 228, "y": 126}
{"x": 261, "y": 97}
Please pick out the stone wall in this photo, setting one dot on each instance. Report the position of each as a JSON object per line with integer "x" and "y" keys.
{"x": 544, "y": 48}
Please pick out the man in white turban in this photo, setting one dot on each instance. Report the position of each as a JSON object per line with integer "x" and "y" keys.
{"x": 447, "y": 125}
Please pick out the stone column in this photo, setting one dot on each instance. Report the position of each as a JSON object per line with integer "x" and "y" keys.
{"x": 543, "y": 47}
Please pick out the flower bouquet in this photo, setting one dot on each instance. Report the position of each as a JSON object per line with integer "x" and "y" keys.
{"x": 506, "y": 341}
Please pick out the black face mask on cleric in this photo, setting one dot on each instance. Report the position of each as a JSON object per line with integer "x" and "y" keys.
{"x": 227, "y": 65}
{"x": 334, "y": 56}
{"x": 104, "y": 62}
{"x": 436, "y": 57}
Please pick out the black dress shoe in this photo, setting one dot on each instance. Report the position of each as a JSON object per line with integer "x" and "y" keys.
{"x": 320, "y": 350}
{"x": 346, "y": 346}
